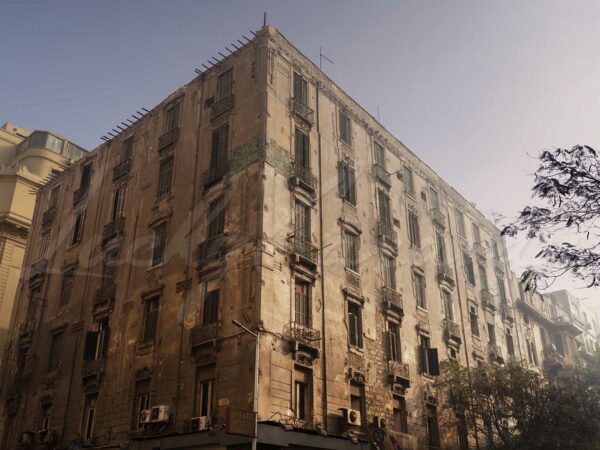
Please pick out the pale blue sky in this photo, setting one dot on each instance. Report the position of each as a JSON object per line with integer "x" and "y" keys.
{"x": 471, "y": 87}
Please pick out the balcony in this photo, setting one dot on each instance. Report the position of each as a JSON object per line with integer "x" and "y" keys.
{"x": 480, "y": 250}
{"x": 438, "y": 217}
{"x": 554, "y": 360}
{"x": 302, "y": 110}
{"x": 26, "y": 330}
{"x": 508, "y": 313}
{"x": 121, "y": 169}
{"x": 302, "y": 177}
{"x": 113, "y": 229}
{"x": 488, "y": 300}
{"x": 105, "y": 294}
{"x": 211, "y": 249}
{"x": 452, "y": 331}
{"x": 48, "y": 215}
{"x": 399, "y": 373}
{"x": 445, "y": 274}
{"x": 392, "y": 300}
{"x": 222, "y": 106}
{"x": 80, "y": 194}
{"x": 498, "y": 264}
{"x": 382, "y": 175}
{"x": 404, "y": 441}
{"x": 387, "y": 235}
{"x": 93, "y": 368}
{"x": 495, "y": 352}
{"x": 168, "y": 139}
{"x": 304, "y": 339}
{"x": 37, "y": 274}
{"x": 303, "y": 252}
{"x": 215, "y": 172}
{"x": 202, "y": 334}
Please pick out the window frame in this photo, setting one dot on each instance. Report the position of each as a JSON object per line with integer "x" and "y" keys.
{"x": 345, "y": 127}
{"x": 351, "y": 248}
{"x": 355, "y": 325}
{"x": 151, "y": 317}
{"x": 159, "y": 244}
{"x": 165, "y": 177}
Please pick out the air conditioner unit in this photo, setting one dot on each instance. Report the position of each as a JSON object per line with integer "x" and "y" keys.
{"x": 200, "y": 423}
{"x": 146, "y": 416}
{"x": 160, "y": 413}
{"x": 351, "y": 417}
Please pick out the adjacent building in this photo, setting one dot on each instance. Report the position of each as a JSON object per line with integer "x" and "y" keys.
{"x": 256, "y": 228}
{"x": 27, "y": 160}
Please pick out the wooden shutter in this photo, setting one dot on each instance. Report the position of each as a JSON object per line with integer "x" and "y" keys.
{"x": 342, "y": 179}
{"x": 351, "y": 185}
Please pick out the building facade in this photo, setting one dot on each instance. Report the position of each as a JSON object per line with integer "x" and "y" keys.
{"x": 258, "y": 227}
{"x": 27, "y": 159}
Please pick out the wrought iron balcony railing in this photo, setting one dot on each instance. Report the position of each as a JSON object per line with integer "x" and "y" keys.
{"x": 399, "y": 371}
{"x": 498, "y": 264}
{"x": 203, "y": 333}
{"x": 113, "y": 229}
{"x": 488, "y": 300}
{"x": 386, "y": 233}
{"x": 94, "y": 367}
{"x": 304, "y": 177}
{"x": 392, "y": 299}
{"x": 105, "y": 294}
{"x": 121, "y": 169}
{"x": 438, "y": 217}
{"x": 452, "y": 330}
{"x": 445, "y": 273}
{"x": 80, "y": 194}
{"x": 303, "y": 250}
{"x": 222, "y": 106}
{"x": 302, "y": 110}
{"x": 215, "y": 173}
{"x": 211, "y": 248}
{"x": 382, "y": 175}
{"x": 495, "y": 351}
{"x": 167, "y": 139}
{"x": 304, "y": 334}
{"x": 507, "y": 312}
{"x": 38, "y": 272}
{"x": 480, "y": 250}
{"x": 48, "y": 215}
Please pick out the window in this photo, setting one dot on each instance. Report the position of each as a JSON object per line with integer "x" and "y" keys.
{"x": 383, "y": 200}
{"x": 210, "y": 311}
{"x": 141, "y": 402}
{"x": 501, "y": 290}
{"x": 55, "y": 350}
{"x": 46, "y": 416}
{"x": 53, "y": 201}
{"x": 414, "y": 234}
{"x": 150, "y": 320}
{"x": 434, "y": 199}
{"x": 300, "y": 88}
{"x": 355, "y": 325}
{"x": 460, "y": 221}
{"x": 433, "y": 433}
{"x": 476, "y": 233}
{"x": 419, "y": 287}
{"x": 491, "y": 333}
{"x": 219, "y": 147}
{"x": 357, "y": 398}
{"x": 474, "y": 321}
{"x": 469, "y": 271}
{"x": 45, "y": 245}
{"x": 389, "y": 272}
{"x": 351, "y": 243}
{"x": 165, "y": 176}
{"x": 204, "y": 390}
{"x": 172, "y": 117}
{"x": 302, "y": 225}
{"x": 118, "y": 209}
{"x": 66, "y": 286}
{"x": 379, "y": 155}
{"x": 429, "y": 357}
{"x": 55, "y": 144}
{"x": 225, "y": 85}
{"x": 78, "y": 228}
{"x": 558, "y": 344}
{"x": 160, "y": 241}
{"x": 89, "y": 413}
{"x": 495, "y": 250}
{"x": 394, "y": 348}
{"x": 302, "y": 303}
{"x": 301, "y": 150}
{"x": 400, "y": 415}
{"x": 345, "y": 127}
{"x": 483, "y": 275}
{"x": 127, "y": 149}
{"x": 96, "y": 342}
{"x": 447, "y": 301}
{"x": 510, "y": 346}
{"x": 86, "y": 176}
{"x": 441, "y": 247}
{"x": 216, "y": 217}
{"x": 347, "y": 182}
{"x": 532, "y": 353}
{"x": 409, "y": 180}
{"x": 302, "y": 394}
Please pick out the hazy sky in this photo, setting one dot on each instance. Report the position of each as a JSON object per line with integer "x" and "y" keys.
{"x": 474, "y": 88}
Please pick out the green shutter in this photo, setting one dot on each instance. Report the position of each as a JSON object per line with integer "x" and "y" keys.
{"x": 351, "y": 186}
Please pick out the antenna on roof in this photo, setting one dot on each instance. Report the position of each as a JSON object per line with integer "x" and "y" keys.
{"x": 265, "y": 19}
{"x": 378, "y": 117}
{"x": 323, "y": 57}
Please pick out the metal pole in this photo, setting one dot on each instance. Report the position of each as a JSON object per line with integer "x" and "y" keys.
{"x": 256, "y": 361}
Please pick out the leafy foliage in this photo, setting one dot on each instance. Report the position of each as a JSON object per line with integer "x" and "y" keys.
{"x": 510, "y": 407}
{"x": 567, "y": 182}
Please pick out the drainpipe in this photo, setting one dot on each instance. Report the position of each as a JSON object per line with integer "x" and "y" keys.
{"x": 322, "y": 268}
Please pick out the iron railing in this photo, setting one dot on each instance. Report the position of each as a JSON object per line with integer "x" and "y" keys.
{"x": 80, "y": 194}
{"x": 507, "y": 312}
{"x": 498, "y": 264}
{"x": 305, "y": 176}
{"x": 304, "y": 249}
{"x": 203, "y": 333}
{"x": 304, "y": 334}
{"x": 113, "y": 229}
{"x": 93, "y": 367}
{"x": 105, "y": 294}
{"x": 121, "y": 169}
{"x": 48, "y": 215}
{"x": 211, "y": 248}
{"x": 452, "y": 330}
{"x": 398, "y": 369}
{"x": 445, "y": 273}
{"x": 215, "y": 172}
{"x": 301, "y": 109}
{"x": 487, "y": 299}
{"x": 391, "y": 298}
{"x": 386, "y": 233}
{"x": 381, "y": 174}
{"x": 222, "y": 106}
{"x": 438, "y": 217}
{"x": 480, "y": 250}
{"x": 167, "y": 139}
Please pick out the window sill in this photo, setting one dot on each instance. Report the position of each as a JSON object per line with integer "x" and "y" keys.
{"x": 156, "y": 266}
{"x": 356, "y": 350}
{"x": 144, "y": 348}
{"x": 163, "y": 198}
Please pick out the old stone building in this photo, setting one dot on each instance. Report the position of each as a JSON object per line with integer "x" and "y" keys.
{"x": 257, "y": 214}
{"x": 27, "y": 159}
